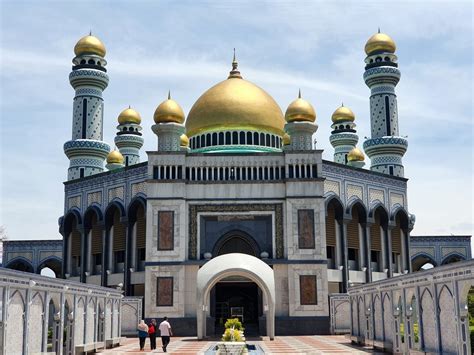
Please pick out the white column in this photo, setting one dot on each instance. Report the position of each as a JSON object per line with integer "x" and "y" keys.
{"x": 110, "y": 251}
{"x": 88, "y": 266}
{"x": 133, "y": 249}
{"x": 338, "y": 244}
{"x": 383, "y": 259}
{"x": 360, "y": 232}
{"x": 403, "y": 255}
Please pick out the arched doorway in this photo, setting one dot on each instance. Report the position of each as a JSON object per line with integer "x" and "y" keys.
{"x": 20, "y": 264}
{"x": 236, "y": 242}
{"x": 229, "y": 268}
{"x": 422, "y": 262}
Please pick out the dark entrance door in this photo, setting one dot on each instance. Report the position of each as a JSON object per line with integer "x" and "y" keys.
{"x": 241, "y": 298}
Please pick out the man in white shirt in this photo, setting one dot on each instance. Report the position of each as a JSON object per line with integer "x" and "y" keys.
{"x": 165, "y": 332}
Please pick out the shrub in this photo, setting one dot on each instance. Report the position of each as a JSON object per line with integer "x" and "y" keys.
{"x": 233, "y": 323}
{"x": 232, "y": 335}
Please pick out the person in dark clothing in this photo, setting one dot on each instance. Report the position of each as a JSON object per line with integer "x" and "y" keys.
{"x": 152, "y": 334}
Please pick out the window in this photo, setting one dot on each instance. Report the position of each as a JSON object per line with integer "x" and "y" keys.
{"x": 155, "y": 172}
{"x": 120, "y": 256}
{"x": 352, "y": 254}
{"x": 390, "y": 168}
{"x": 235, "y": 138}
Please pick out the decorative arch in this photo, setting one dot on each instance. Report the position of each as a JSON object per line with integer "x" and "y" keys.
{"x": 253, "y": 247}
{"x": 453, "y": 257}
{"x": 235, "y": 265}
{"x": 137, "y": 200}
{"x": 375, "y": 207}
{"x": 334, "y": 200}
{"x": 420, "y": 259}
{"x": 356, "y": 202}
{"x": 114, "y": 204}
{"x": 20, "y": 263}
{"x": 53, "y": 262}
{"x": 397, "y": 210}
{"x": 94, "y": 208}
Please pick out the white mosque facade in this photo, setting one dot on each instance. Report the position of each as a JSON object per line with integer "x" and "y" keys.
{"x": 235, "y": 213}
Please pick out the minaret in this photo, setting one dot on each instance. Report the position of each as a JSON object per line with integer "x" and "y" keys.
{"x": 300, "y": 117}
{"x": 385, "y": 148}
{"x": 129, "y": 140}
{"x": 86, "y": 150}
{"x": 343, "y": 136}
{"x": 169, "y": 119}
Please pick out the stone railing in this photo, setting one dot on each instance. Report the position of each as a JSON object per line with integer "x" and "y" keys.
{"x": 131, "y": 315}
{"x": 425, "y": 312}
{"x": 339, "y": 306}
{"x": 47, "y": 315}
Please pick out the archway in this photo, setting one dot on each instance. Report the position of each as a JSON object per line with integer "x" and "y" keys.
{"x": 51, "y": 266}
{"x": 236, "y": 242}
{"x": 422, "y": 262}
{"x": 235, "y": 265}
{"x": 378, "y": 240}
{"x": 334, "y": 246}
{"x": 20, "y": 264}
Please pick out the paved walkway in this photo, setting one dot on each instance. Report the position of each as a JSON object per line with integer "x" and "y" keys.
{"x": 290, "y": 345}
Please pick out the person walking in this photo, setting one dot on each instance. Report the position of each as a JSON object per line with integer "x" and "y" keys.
{"x": 142, "y": 334}
{"x": 152, "y": 334}
{"x": 165, "y": 332}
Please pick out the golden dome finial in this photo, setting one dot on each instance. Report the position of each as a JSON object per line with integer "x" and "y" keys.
{"x": 343, "y": 114}
{"x": 129, "y": 115}
{"x": 300, "y": 110}
{"x": 115, "y": 157}
{"x": 169, "y": 111}
{"x": 184, "y": 141}
{"x": 355, "y": 155}
{"x": 234, "y": 73}
{"x": 380, "y": 43}
{"x": 89, "y": 45}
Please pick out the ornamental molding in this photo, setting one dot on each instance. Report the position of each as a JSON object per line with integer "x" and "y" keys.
{"x": 238, "y": 208}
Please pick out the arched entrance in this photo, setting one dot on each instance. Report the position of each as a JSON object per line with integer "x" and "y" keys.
{"x": 235, "y": 266}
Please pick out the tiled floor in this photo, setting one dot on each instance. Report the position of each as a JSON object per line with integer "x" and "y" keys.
{"x": 290, "y": 345}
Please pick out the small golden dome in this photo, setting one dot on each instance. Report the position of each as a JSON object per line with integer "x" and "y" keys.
{"x": 90, "y": 45}
{"x": 169, "y": 111}
{"x": 115, "y": 157}
{"x": 184, "y": 140}
{"x": 129, "y": 115}
{"x": 300, "y": 110}
{"x": 234, "y": 104}
{"x": 355, "y": 155}
{"x": 343, "y": 114}
{"x": 380, "y": 42}
{"x": 286, "y": 139}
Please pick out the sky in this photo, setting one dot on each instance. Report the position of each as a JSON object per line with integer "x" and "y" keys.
{"x": 186, "y": 47}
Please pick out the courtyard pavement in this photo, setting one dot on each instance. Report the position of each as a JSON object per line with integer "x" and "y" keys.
{"x": 291, "y": 345}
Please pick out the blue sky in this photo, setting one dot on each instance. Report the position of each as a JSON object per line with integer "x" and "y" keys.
{"x": 186, "y": 46}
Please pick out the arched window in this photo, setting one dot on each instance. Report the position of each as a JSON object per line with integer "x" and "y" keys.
{"x": 242, "y": 138}
{"x": 387, "y": 59}
{"x": 378, "y": 59}
{"x": 249, "y": 138}
{"x": 235, "y": 138}
{"x": 221, "y": 138}
{"x": 341, "y": 127}
{"x": 267, "y": 140}
{"x": 348, "y": 127}
{"x": 99, "y": 63}
{"x": 198, "y": 142}
{"x": 83, "y": 61}
{"x": 214, "y": 139}
{"x": 255, "y": 139}
{"x": 208, "y": 140}
{"x": 91, "y": 61}
{"x": 262, "y": 139}
{"x": 273, "y": 141}
{"x": 228, "y": 138}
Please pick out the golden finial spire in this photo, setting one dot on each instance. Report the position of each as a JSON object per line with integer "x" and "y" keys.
{"x": 342, "y": 104}
{"x": 299, "y": 93}
{"x": 129, "y": 106}
{"x": 169, "y": 94}
{"x": 90, "y": 32}
{"x": 234, "y": 73}
{"x": 379, "y": 29}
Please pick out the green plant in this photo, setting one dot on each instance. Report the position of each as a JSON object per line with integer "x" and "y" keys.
{"x": 231, "y": 334}
{"x": 233, "y": 323}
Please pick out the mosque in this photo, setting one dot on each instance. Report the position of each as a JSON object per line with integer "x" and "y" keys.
{"x": 235, "y": 213}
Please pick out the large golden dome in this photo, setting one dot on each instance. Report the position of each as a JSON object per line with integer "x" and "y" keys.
{"x": 235, "y": 103}
{"x": 129, "y": 115}
{"x": 300, "y": 110}
{"x": 89, "y": 45}
{"x": 343, "y": 114}
{"x": 169, "y": 111}
{"x": 380, "y": 42}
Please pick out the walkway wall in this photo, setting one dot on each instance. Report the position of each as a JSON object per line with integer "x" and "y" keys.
{"x": 75, "y": 314}
{"x": 339, "y": 309}
{"x": 131, "y": 314}
{"x": 424, "y": 311}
